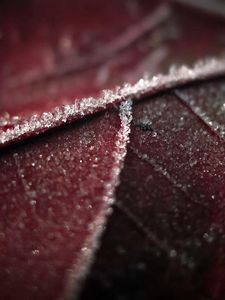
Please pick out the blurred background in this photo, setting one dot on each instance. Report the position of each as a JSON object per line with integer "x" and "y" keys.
{"x": 52, "y": 52}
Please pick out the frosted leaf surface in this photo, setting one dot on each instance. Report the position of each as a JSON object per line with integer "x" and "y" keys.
{"x": 56, "y": 191}
{"x": 170, "y": 200}
{"x": 166, "y": 235}
{"x": 208, "y": 102}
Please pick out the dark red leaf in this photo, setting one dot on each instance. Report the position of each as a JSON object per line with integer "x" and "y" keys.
{"x": 165, "y": 238}
{"x": 55, "y": 193}
{"x": 170, "y": 201}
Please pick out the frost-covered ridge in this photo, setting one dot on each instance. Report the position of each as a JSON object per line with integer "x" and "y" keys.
{"x": 86, "y": 106}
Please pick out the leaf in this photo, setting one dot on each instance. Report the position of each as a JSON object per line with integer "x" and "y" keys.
{"x": 55, "y": 194}
{"x": 165, "y": 238}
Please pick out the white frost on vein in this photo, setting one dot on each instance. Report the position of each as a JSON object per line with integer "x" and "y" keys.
{"x": 97, "y": 226}
{"x": 125, "y": 113}
{"x": 85, "y": 106}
